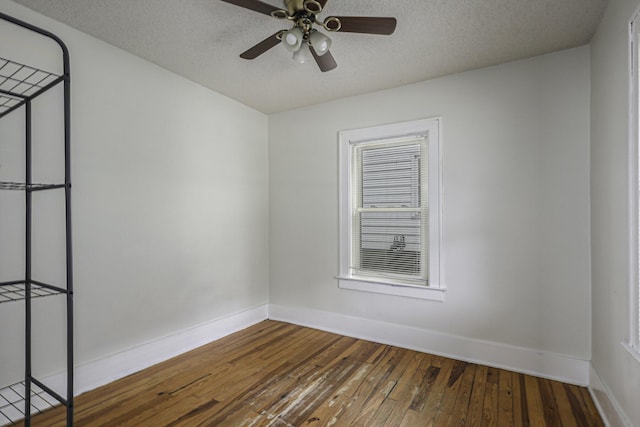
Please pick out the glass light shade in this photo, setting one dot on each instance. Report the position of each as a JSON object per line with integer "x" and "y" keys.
{"x": 321, "y": 43}
{"x": 302, "y": 55}
{"x": 292, "y": 39}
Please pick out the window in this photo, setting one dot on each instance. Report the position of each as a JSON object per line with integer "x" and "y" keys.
{"x": 634, "y": 188}
{"x": 390, "y": 209}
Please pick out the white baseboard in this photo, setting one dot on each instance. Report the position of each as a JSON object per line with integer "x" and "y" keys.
{"x": 525, "y": 360}
{"x": 94, "y": 374}
{"x": 609, "y": 408}
{"x": 91, "y": 375}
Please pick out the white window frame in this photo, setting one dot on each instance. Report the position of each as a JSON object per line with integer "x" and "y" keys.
{"x": 430, "y": 129}
{"x": 633, "y": 344}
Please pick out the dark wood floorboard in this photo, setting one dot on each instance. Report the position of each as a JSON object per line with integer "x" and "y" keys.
{"x": 282, "y": 375}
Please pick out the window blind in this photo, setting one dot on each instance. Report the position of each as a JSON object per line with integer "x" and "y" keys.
{"x": 390, "y": 209}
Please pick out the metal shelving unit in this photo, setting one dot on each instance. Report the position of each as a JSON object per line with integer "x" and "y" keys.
{"x": 20, "y": 85}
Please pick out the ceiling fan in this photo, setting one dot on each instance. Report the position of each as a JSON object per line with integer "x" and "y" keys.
{"x": 302, "y": 38}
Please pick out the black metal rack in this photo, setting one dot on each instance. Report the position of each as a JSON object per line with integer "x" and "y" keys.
{"x": 20, "y": 85}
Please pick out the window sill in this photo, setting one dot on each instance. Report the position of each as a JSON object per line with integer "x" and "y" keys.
{"x": 631, "y": 350}
{"x": 379, "y": 287}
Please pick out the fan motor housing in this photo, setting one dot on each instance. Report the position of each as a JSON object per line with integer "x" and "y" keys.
{"x": 294, "y": 6}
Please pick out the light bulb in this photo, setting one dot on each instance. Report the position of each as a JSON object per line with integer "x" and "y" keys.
{"x": 321, "y": 43}
{"x": 292, "y": 39}
{"x": 302, "y": 55}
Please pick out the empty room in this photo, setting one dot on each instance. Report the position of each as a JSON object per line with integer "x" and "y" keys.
{"x": 320, "y": 213}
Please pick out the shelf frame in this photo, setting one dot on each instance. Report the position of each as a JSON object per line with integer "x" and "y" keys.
{"x": 20, "y": 84}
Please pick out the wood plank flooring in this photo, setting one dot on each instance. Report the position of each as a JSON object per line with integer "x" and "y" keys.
{"x": 278, "y": 374}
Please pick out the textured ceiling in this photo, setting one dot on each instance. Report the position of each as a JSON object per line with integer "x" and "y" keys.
{"x": 201, "y": 40}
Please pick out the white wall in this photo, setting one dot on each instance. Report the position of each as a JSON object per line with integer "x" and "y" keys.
{"x": 170, "y": 179}
{"x": 515, "y": 144}
{"x": 619, "y": 372}
{"x": 170, "y": 202}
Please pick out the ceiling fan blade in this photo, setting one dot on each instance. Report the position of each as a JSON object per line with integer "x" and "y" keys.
{"x": 262, "y": 47}
{"x": 255, "y": 5}
{"x": 362, "y": 24}
{"x": 325, "y": 62}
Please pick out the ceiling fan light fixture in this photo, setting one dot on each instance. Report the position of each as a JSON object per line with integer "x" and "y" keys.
{"x": 321, "y": 43}
{"x": 292, "y": 39}
{"x": 302, "y": 55}
{"x": 302, "y": 38}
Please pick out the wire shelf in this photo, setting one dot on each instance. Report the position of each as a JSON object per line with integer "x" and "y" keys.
{"x": 8, "y": 102}
{"x": 16, "y": 291}
{"x": 12, "y": 402}
{"x": 19, "y": 81}
{"x": 33, "y": 187}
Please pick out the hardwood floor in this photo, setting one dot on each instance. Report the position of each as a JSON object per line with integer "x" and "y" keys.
{"x": 277, "y": 374}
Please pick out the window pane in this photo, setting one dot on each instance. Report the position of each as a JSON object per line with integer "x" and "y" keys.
{"x": 390, "y": 242}
{"x": 390, "y": 230}
{"x": 391, "y": 177}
